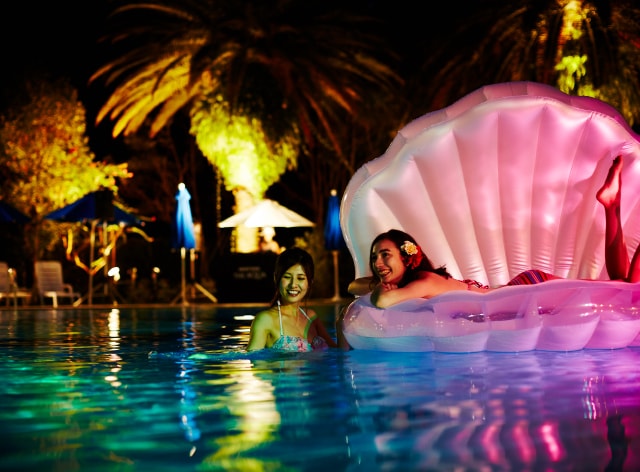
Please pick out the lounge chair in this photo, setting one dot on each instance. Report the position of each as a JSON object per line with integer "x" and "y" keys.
{"x": 50, "y": 283}
{"x": 9, "y": 290}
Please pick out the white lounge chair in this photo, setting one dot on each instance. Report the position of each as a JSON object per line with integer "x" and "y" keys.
{"x": 9, "y": 290}
{"x": 50, "y": 283}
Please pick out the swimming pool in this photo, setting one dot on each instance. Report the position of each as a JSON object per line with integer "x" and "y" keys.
{"x": 81, "y": 392}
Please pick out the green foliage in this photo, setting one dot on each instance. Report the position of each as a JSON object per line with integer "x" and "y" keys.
{"x": 580, "y": 47}
{"x": 238, "y": 146}
{"x": 44, "y": 153}
{"x": 571, "y": 69}
{"x": 46, "y": 162}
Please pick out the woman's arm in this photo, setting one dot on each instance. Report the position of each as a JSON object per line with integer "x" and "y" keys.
{"x": 427, "y": 285}
{"x": 361, "y": 286}
{"x": 259, "y": 332}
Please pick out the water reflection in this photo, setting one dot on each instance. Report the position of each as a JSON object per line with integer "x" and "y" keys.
{"x": 507, "y": 411}
{"x": 81, "y": 393}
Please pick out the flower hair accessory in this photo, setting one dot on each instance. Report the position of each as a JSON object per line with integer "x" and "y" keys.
{"x": 413, "y": 252}
{"x": 409, "y": 248}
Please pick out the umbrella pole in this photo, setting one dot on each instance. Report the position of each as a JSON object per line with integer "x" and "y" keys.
{"x": 193, "y": 284}
{"x": 92, "y": 246}
{"x": 183, "y": 288}
{"x": 336, "y": 275}
{"x": 105, "y": 270}
{"x": 192, "y": 271}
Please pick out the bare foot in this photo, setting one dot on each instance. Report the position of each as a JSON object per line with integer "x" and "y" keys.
{"x": 609, "y": 193}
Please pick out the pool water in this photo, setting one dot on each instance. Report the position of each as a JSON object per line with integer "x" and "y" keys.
{"x": 165, "y": 389}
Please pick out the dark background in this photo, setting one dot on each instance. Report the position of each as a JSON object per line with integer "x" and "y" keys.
{"x": 61, "y": 39}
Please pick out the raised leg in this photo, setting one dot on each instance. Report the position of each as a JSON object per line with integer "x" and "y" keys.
{"x": 634, "y": 270}
{"x": 615, "y": 251}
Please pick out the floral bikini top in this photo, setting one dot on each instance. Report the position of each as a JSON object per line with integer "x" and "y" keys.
{"x": 296, "y": 343}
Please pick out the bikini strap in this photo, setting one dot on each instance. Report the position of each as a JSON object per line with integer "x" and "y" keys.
{"x": 309, "y": 322}
{"x": 303, "y": 312}
{"x": 306, "y": 329}
{"x": 280, "y": 317}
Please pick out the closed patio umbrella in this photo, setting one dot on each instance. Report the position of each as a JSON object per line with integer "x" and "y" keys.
{"x": 333, "y": 239}
{"x": 183, "y": 233}
{"x": 184, "y": 238}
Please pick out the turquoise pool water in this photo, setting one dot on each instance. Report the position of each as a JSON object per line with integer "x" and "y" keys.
{"x": 80, "y": 392}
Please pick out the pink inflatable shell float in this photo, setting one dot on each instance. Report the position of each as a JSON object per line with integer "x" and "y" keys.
{"x": 502, "y": 181}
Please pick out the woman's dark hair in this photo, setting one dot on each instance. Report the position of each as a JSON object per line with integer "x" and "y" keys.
{"x": 399, "y": 238}
{"x": 288, "y": 258}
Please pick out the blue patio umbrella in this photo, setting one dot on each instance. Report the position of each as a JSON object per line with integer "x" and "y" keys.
{"x": 99, "y": 206}
{"x": 184, "y": 238}
{"x": 95, "y": 207}
{"x": 333, "y": 239}
{"x": 9, "y": 214}
{"x": 183, "y": 233}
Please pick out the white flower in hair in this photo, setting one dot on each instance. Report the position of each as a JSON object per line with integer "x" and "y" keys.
{"x": 409, "y": 248}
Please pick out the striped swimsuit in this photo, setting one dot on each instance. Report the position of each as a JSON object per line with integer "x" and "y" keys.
{"x": 528, "y": 277}
{"x": 531, "y": 277}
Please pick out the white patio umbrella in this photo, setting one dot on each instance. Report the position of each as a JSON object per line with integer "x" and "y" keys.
{"x": 267, "y": 213}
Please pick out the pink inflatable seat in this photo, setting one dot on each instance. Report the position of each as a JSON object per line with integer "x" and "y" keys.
{"x": 502, "y": 181}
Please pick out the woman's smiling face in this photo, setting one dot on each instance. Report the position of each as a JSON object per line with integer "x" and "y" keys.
{"x": 387, "y": 262}
{"x": 294, "y": 284}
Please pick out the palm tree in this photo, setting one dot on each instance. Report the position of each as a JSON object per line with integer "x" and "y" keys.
{"x": 582, "y": 47}
{"x": 292, "y": 69}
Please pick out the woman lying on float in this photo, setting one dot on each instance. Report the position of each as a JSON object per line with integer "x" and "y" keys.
{"x": 401, "y": 271}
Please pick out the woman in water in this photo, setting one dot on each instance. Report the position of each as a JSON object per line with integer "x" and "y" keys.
{"x": 402, "y": 271}
{"x": 286, "y": 325}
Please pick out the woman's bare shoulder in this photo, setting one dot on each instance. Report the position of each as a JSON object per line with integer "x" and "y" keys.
{"x": 265, "y": 317}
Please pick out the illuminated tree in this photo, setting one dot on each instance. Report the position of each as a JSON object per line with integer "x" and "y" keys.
{"x": 291, "y": 69}
{"x": 45, "y": 160}
{"x": 237, "y": 146}
{"x": 582, "y": 47}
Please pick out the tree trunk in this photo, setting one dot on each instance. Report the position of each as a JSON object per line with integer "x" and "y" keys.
{"x": 246, "y": 239}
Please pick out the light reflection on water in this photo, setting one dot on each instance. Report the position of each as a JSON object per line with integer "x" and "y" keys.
{"x": 80, "y": 392}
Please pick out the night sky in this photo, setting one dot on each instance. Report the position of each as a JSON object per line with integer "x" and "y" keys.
{"x": 61, "y": 37}
{"x": 50, "y": 36}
